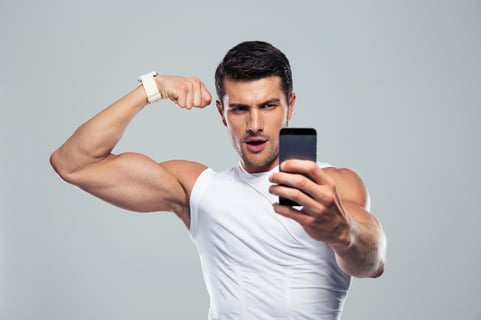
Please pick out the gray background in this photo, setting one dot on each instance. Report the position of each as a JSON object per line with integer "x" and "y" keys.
{"x": 393, "y": 88}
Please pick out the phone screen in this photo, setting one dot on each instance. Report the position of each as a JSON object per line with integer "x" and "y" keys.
{"x": 296, "y": 143}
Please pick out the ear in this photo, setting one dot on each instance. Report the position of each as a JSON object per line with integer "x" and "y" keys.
{"x": 220, "y": 109}
{"x": 292, "y": 103}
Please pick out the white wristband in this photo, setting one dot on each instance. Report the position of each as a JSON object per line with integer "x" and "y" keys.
{"x": 150, "y": 87}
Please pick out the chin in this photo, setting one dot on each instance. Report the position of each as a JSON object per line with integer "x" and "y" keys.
{"x": 258, "y": 166}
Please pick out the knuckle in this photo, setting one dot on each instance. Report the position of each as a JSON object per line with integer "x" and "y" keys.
{"x": 311, "y": 222}
{"x": 296, "y": 194}
{"x": 183, "y": 89}
{"x": 329, "y": 198}
{"x": 195, "y": 81}
{"x": 311, "y": 166}
{"x": 301, "y": 182}
{"x": 332, "y": 185}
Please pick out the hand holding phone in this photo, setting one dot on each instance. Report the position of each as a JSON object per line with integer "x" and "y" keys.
{"x": 296, "y": 143}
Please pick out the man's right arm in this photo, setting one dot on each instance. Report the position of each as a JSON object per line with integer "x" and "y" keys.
{"x": 130, "y": 180}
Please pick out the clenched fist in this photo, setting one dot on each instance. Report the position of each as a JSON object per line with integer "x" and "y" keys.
{"x": 185, "y": 92}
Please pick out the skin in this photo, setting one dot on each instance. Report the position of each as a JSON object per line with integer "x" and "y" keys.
{"x": 254, "y": 112}
{"x": 333, "y": 200}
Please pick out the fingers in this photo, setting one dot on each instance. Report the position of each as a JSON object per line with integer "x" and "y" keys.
{"x": 192, "y": 93}
{"x": 319, "y": 226}
{"x": 292, "y": 213}
{"x": 306, "y": 193}
{"x": 305, "y": 183}
{"x": 322, "y": 214}
{"x": 185, "y": 92}
{"x": 309, "y": 169}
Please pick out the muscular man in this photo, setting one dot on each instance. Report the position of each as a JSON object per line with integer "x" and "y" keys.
{"x": 260, "y": 259}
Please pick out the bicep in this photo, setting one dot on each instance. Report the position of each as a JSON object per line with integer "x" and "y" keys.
{"x": 134, "y": 182}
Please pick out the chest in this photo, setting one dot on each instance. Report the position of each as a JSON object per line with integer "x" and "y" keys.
{"x": 236, "y": 218}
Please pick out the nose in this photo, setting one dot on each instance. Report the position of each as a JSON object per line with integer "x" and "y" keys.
{"x": 255, "y": 123}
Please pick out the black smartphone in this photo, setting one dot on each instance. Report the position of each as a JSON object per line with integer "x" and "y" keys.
{"x": 296, "y": 143}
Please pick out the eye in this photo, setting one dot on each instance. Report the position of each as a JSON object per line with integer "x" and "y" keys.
{"x": 269, "y": 105}
{"x": 238, "y": 108}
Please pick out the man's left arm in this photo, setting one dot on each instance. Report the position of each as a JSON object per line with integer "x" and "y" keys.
{"x": 334, "y": 210}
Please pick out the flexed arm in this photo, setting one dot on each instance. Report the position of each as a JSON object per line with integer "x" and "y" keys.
{"x": 132, "y": 181}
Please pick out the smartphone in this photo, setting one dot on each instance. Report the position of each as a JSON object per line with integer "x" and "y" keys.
{"x": 296, "y": 143}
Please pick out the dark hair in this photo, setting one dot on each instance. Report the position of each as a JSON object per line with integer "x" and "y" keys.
{"x": 253, "y": 60}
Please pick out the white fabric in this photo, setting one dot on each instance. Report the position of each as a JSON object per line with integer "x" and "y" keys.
{"x": 256, "y": 263}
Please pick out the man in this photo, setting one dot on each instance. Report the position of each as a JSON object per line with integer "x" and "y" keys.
{"x": 260, "y": 259}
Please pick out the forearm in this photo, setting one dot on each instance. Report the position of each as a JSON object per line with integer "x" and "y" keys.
{"x": 96, "y": 138}
{"x": 364, "y": 255}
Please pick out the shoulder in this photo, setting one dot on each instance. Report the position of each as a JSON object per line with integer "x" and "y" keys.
{"x": 349, "y": 185}
{"x": 184, "y": 171}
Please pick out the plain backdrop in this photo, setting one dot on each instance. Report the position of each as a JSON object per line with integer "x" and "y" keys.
{"x": 392, "y": 87}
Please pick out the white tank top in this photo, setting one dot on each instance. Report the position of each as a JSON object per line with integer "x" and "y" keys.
{"x": 256, "y": 263}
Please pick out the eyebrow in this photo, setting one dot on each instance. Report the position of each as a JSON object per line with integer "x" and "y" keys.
{"x": 242, "y": 105}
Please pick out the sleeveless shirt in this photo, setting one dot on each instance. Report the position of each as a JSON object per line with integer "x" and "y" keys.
{"x": 256, "y": 263}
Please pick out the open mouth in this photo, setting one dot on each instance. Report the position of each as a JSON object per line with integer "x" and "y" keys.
{"x": 256, "y": 145}
{"x": 256, "y": 142}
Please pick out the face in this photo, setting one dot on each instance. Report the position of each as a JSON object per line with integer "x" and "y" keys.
{"x": 254, "y": 112}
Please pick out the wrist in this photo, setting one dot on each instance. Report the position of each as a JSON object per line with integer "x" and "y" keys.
{"x": 150, "y": 87}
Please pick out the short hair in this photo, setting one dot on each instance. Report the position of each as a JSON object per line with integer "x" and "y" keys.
{"x": 253, "y": 60}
